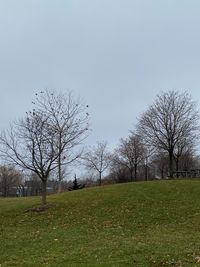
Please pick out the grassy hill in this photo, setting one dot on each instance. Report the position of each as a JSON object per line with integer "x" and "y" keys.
{"x": 135, "y": 224}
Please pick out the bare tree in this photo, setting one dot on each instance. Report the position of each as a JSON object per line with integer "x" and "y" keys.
{"x": 118, "y": 172}
{"x": 130, "y": 154}
{"x": 36, "y": 143}
{"x": 172, "y": 118}
{"x": 31, "y": 144}
{"x": 147, "y": 155}
{"x": 182, "y": 148}
{"x": 159, "y": 162}
{"x": 69, "y": 117}
{"x": 189, "y": 161}
{"x": 97, "y": 159}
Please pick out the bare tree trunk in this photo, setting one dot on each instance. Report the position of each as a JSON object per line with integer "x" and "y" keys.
{"x": 44, "y": 192}
{"x": 170, "y": 164}
{"x": 162, "y": 173}
{"x": 59, "y": 164}
{"x": 59, "y": 186}
{"x": 5, "y": 189}
{"x": 146, "y": 172}
{"x": 135, "y": 172}
{"x": 177, "y": 166}
{"x": 59, "y": 175}
{"x": 131, "y": 173}
{"x": 100, "y": 178}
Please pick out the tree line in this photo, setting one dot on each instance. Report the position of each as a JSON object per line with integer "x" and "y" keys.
{"x": 48, "y": 139}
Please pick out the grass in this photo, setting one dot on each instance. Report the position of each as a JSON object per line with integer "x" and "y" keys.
{"x": 136, "y": 224}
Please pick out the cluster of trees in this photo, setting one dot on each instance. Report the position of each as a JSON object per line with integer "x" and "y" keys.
{"x": 162, "y": 144}
{"x": 46, "y": 140}
{"x": 10, "y": 180}
{"x": 16, "y": 183}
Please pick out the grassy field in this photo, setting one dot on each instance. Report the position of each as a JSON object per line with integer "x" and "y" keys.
{"x": 136, "y": 224}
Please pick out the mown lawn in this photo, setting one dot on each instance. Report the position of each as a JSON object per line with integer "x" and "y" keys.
{"x": 136, "y": 224}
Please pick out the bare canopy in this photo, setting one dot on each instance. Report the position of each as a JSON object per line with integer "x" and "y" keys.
{"x": 97, "y": 159}
{"x": 130, "y": 154}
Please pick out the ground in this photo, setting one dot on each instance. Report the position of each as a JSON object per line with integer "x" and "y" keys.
{"x": 135, "y": 224}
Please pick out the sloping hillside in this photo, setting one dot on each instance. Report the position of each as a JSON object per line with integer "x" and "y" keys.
{"x": 135, "y": 224}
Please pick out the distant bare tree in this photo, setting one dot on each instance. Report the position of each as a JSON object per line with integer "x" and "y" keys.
{"x": 172, "y": 118}
{"x": 147, "y": 155}
{"x": 182, "y": 148}
{"x": 97, "y": 159}
{"x": 130, "y": 154}
{"x": 9, "y": 178}
{"x": 189, "y": 161}
{"x": 160, "y": 162}
{"x": 41, "y": 141}
{"x": 33, "y": 185}
{"x": 118, "y": 172}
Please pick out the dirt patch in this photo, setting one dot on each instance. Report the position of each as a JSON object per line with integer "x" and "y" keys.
{"x": 38, "y": 209}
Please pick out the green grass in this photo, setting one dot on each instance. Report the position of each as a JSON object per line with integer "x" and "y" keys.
{"x": 136, "y": 224}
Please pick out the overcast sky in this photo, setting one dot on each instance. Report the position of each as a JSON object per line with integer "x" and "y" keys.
{"x": 115, "y": 54}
